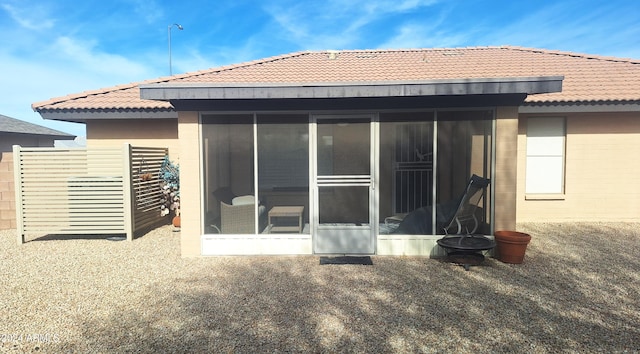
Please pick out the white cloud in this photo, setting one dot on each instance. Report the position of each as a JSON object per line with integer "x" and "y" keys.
{"x": 335, "y": 24}
{"x": 380, "y": 7}
{"x": 66, "y": 65}
{"x": 32, "y": 17}
{"x": 607, "y": 29}
{"x": 149, "y": 10}
{"x": 26, "y": 82}
{"x": 77, "y": 55}
{"x": 435, "y": 32}
{"x": 423, "y": 36}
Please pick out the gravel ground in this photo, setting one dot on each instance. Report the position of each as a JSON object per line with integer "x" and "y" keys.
{"x": 578, "y": 291}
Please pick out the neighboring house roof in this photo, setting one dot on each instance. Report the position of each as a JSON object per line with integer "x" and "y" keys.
{"x": 587, "y": 78}
{"x": 16, "y": 126}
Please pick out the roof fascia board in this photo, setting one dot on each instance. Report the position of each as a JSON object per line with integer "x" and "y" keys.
{"x": 350, "y": 104}
{"x": 578, "y": 108}
{"x": 218, "y": 91}
{"x": 38, "y": 135}
{"x": 81, "y": 116}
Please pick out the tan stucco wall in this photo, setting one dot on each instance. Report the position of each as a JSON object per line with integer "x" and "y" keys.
{"x": 7, "y": 185}
{"x": 7, "y": 192}
{"x": 602, "y": 173}
{"x": 190, "y": 193}
{"x": 137, "y": 132}
{"x": 505, "y": 177}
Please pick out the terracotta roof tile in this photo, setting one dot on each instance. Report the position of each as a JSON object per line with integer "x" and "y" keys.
{"x": 587, "y": 77}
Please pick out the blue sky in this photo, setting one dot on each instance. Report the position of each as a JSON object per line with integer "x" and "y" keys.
{"x": 51, "y": 48}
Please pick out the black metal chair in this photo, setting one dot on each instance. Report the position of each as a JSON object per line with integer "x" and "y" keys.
{"x": 455, "y": 216}
{"x": 464, "y": 218}
{"x": 464, "y": 246}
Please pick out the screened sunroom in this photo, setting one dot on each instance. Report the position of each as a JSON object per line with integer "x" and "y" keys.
{"x": 339, "y": 181}
{"x": 350, "y": 168}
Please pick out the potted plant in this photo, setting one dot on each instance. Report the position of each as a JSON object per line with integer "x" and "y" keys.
{"x": 170, "y": 186}
{"x": 511, "y": 245}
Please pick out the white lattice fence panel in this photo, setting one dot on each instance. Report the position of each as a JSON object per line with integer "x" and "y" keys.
{"x": 145, "y": 181}
{"x": 69, "y": 191}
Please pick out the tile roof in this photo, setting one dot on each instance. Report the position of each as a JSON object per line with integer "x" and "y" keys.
{"x": 12, "y": 125}
{"x": 588, "y": 78}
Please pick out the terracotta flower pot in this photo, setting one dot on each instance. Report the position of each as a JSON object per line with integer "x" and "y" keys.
{"x": 511, "y": 246}
{"x": 176, "y": 221}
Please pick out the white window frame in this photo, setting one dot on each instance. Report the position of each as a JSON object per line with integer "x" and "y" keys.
{"x": 545, "y": 158}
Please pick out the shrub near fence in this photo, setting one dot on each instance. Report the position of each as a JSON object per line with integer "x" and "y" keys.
{"x": 87, "y": 191}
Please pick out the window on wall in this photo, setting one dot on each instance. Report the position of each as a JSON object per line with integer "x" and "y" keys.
{"x": 545, "y": 155}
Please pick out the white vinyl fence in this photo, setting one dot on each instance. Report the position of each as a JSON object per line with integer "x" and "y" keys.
{"x": 87, "y": 191}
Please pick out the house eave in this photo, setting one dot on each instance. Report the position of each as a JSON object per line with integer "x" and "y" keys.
{"x": 579, "y": 107}
{"x": 256, "y": 91}
{"x": 38, "y": 135}
{"x": 82, "y": 116}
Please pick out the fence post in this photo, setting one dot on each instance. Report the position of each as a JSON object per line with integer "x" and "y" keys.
{"x": 17, "y": 178}
{"x": 128, "y": 191}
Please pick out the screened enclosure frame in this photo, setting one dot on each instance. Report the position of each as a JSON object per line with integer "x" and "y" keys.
{"x": 487, "y": 126}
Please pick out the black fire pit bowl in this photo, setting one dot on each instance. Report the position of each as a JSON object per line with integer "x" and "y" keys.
{"x": 469, "y": 243}
{"x": 465, "y": 249}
